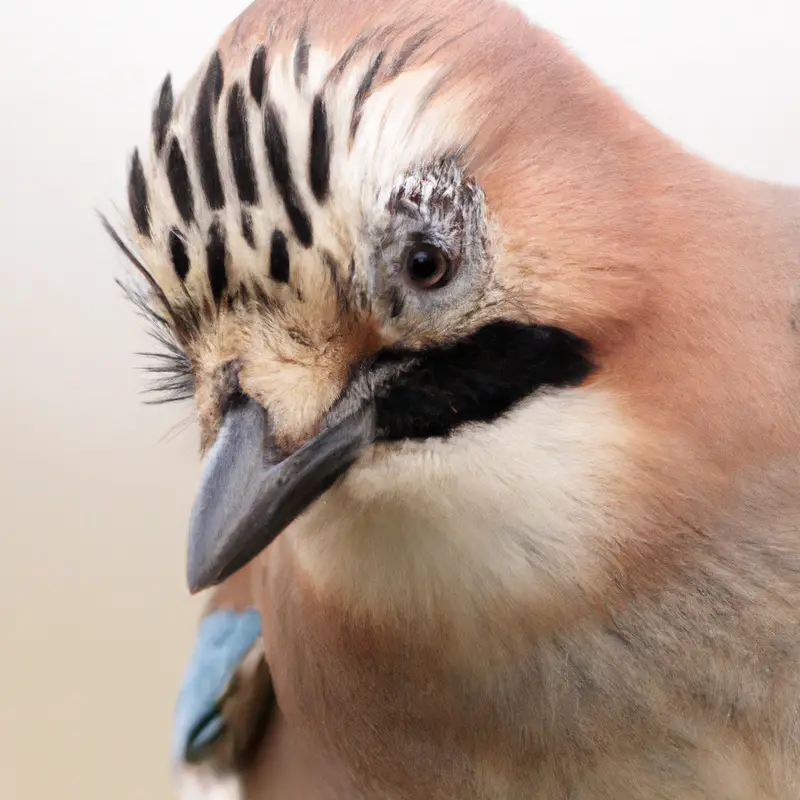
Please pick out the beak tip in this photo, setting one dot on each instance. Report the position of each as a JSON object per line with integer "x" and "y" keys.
{"x": 198, "y": 576}
{"x": 243, "y": 503}
{"x": 204, "y": 569}
{"x": 195, "y": 584}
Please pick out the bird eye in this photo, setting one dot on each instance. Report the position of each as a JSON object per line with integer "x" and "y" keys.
{"x": 427, "y": 267}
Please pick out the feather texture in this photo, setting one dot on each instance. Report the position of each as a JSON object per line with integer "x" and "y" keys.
{"x": 587, "y": 590}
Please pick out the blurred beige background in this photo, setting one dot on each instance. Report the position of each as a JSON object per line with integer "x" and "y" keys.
{"x": 95, "y": 622}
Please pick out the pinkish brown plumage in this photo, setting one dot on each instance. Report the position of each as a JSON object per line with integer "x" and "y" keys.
{"x": 551, "y": 549}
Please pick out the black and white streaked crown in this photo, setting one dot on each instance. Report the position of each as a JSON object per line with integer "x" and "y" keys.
{"x": 289, "y": 160}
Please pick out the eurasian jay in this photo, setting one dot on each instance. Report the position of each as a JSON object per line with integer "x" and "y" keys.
{"x": 498, "y": 392}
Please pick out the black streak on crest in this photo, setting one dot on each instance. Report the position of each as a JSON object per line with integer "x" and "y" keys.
{"x": 341, "y": 65}
{"x": 363, "y": 92}
{"x": 410, "y": 47}
{"x": 178, "y": 177}
{"x": 279, "y": 257}
{"x": 334, "y": 270}
{"x": 247, "y": 228}
{"x": 319, "y": 162}
{"x": 239, "y": 141}
{"x": 203, "y": 134}
{"x": 178, "y": 254}
{"x": 301, "y": 57}
{"x": 258, "y": 73}
{"x": 278, "y": 158}
{"x": 215, "y": 77}
{"x": 216, "y": 256}
{"x": 137, "y": 196}
{"x": 162, "y": 114}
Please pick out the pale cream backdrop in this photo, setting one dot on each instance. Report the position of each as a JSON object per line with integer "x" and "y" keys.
{"x": 95, "y": 621}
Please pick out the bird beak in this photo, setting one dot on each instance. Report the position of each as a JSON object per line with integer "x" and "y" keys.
{"x": 246, "y": 497}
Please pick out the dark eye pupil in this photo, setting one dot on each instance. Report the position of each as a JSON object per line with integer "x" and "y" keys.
{"x": 427, "y": 267}
{"x": 423, "y": 264}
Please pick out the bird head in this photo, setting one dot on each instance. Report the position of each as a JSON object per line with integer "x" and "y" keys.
{"x": 452, "y": 314}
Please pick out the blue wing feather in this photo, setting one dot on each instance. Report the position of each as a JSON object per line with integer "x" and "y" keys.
{"x": 223, "y": 640}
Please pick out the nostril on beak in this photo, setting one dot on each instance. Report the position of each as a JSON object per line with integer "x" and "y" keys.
{"x": 230, "y": 395}
{"x": 227, "y": 386}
